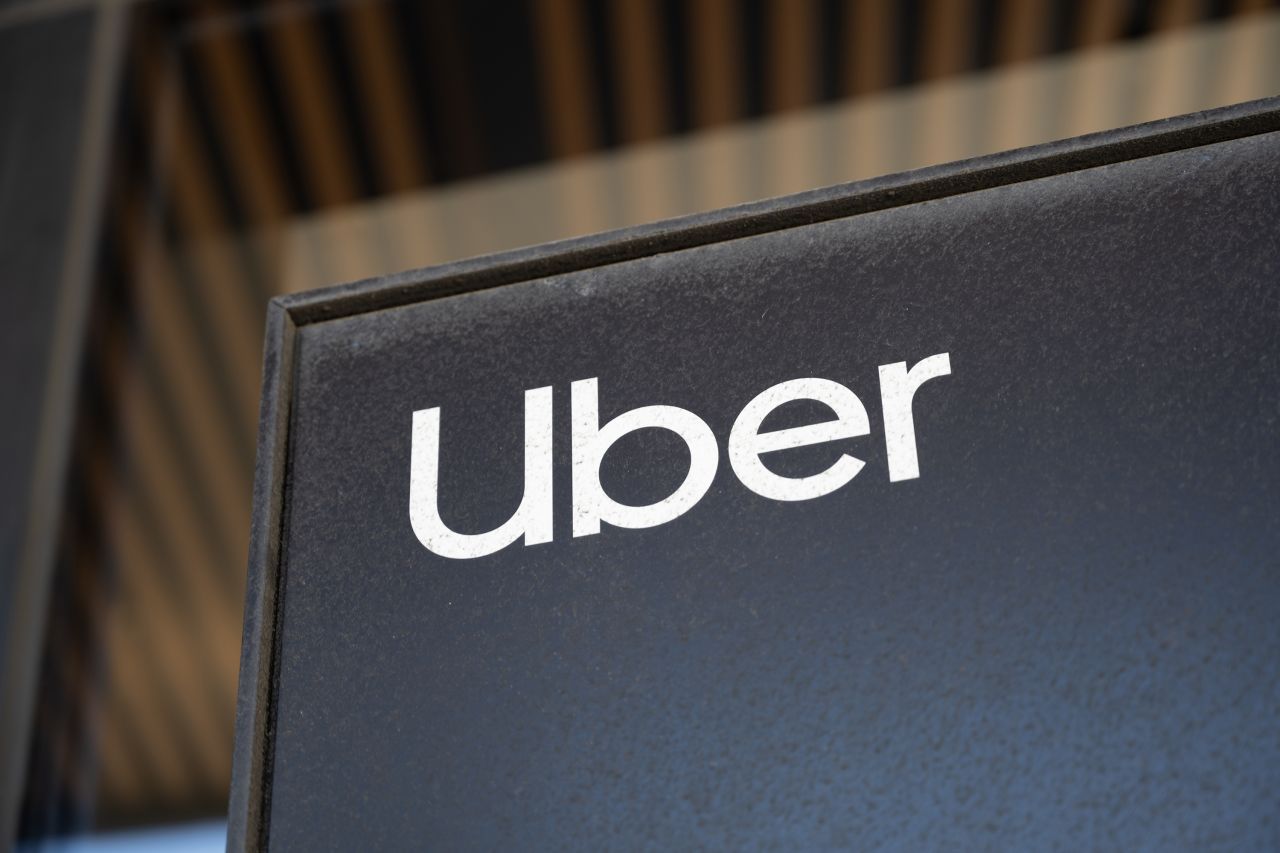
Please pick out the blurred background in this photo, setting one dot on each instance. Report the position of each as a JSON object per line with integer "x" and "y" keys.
{"x": 166, "y": 168}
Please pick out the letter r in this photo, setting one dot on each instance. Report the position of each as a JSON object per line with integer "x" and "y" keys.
{"x": 897, "y": 389}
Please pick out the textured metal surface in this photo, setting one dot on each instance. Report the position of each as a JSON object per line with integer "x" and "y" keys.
{"x": 1066, "y": 631}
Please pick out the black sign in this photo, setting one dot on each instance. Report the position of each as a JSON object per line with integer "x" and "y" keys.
{"x": 938, "y": 510}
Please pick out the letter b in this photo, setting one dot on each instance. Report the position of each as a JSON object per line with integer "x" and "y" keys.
{"x": 591, "y": 441}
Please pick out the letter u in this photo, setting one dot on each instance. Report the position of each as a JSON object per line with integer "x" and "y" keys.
{"x": 532, "y": 519}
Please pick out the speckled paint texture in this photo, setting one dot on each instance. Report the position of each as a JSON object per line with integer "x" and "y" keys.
{"x": 1064, "y": 634}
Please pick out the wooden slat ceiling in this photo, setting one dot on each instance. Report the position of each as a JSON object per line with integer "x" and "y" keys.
{"x": 234, "y": 119}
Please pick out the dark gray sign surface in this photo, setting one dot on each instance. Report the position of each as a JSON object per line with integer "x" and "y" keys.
{"x": 1066, "y": 628}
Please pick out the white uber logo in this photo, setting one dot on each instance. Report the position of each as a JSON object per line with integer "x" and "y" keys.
{"x": 591, "y": 440}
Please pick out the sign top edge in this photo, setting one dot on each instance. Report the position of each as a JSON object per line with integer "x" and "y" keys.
{"x": 773, "y": 214}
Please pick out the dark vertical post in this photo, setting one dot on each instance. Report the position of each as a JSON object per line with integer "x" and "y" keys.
{"x": 57, "y": 90}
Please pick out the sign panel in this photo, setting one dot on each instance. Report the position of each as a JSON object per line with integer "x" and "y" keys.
{"x": 937, "y": 510}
